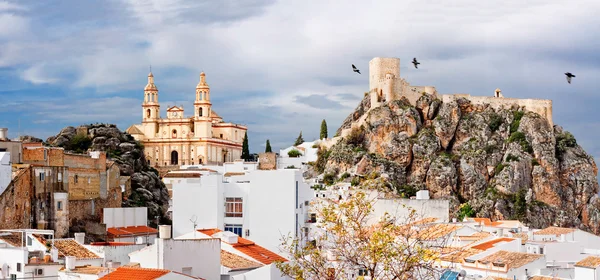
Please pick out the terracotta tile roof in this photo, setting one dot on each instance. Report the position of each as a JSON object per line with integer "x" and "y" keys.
{"x": 130, "y": 231}
{"x": 458, "y": 255}
{"x": 131, "y": 273}
{"x": 524, "y": 237}
{"x": 87, "y": 269}
{"x": 507, "y": 223}
{"x": 437, "y": 231}
{"x": 111, "y": 243}
{"x": 554, "y": 231}
{"x": 425, "y": 221}
{"x": 495, "y": 278}
{"x": 492, "y": 243}
{"x": 70, "y": 247}
{"x": 590, "y": 262}
{"x": 483, "y": 221}
{"x": 234, "y": 261}
{"x": 250, "y": 249}
{"x": 510, "y": 259}
{"x": 539, "y": 277}
{"x": 13, "y": 239}
{"x": 230, "y": 174}
{"x": 183, "y": 175}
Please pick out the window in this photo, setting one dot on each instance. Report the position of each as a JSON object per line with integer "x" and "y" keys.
{"x": 174, "y": 133}
{"x": 296, "y": 194}
{"x": 200, "y": 112}
{"x": 76, "y": 178}
{"x": 18, "y": 267}
{"x": 29, "y": 241}
{"x": 221, "y": 136}
{"x": 89, "y": 180}
{"x": 541, "y": 250}
{"x": 59, "y": 206}
{"x": 233, "y": 207}
{"x": 148, "y": 113}
{"x": 60, "y": 177}
{"x": 42, "y": 176}
{"x": 237, "y": 229}
{"x": 39, "y": 271}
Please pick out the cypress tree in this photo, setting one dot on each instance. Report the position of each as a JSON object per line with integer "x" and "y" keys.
{"x": 245, "y": 149}
{"x": 268, "y": 148}
{"x": 323, "y": 129}
{"x": 299, "y": 140}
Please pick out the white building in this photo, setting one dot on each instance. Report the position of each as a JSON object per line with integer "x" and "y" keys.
{"x": 114, "y": 252}
{"x": 198, "y": 258}
{"x": 562, "y": 247}
{"x": 262, "y": 205}
{"x": 19, "y": 256}
{"x": 507, "y": 264}
{"x": 588, "y": 268}
{"x": 5, "y": 171}
{"x": 241, "y": 259}
{"x": 129, "y": 224}
{"x": 308, "y": 153}
{"x": 145, "y": 273}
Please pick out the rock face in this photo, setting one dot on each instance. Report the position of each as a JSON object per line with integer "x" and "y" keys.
{"x": 506, "y": 163}
{"x": 147, "y": 188}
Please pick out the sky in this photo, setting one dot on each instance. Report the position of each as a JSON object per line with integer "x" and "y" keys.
{"x": 281, "y": 67}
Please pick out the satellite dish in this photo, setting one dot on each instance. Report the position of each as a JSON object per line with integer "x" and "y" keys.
{"x": 462, "y": 273}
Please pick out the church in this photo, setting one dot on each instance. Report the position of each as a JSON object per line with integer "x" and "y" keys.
{"x": 177, "y": 140}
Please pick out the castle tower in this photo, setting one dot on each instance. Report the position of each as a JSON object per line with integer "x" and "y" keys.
{"x": 150, "y": 107}
{"x": 383, "y": 72}
{"x": 202, "y": 109}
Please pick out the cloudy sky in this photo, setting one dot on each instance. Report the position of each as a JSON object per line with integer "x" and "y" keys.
{"x": 282, "y": 66}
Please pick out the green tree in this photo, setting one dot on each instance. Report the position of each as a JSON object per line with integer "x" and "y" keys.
{"x": 323, "y": 129}
{"x": 299, "y": 140}
{"x": 245, "y": 149}
{"x": 268, "y": 148}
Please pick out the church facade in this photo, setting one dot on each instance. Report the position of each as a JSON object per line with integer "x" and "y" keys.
{"x": 178, "y": 140}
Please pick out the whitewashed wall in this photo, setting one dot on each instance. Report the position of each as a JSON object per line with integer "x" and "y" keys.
{"x": 5, "y": 171}
{"x": 115, "y": 253}
{"x": 199, "y": 199}
{"x": 125, "y": 217}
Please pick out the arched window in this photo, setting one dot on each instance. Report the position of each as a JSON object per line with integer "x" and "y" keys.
{"x": 174, "y": 158}
{"x": 148, "y": 113}
{"x": 200, "y": 112}
{"x": 174, "y": 133}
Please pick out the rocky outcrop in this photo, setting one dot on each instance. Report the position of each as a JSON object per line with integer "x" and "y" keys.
{"x": 147, "y": 188}
{"x": 505, "y": 163}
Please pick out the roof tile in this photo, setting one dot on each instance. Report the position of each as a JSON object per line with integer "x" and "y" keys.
{"x": 511, "y": 259}
{"x": 554, "y": 231}
{"x": 590, "y": 262}
{"x": 116, "y": 232}
{"x": 70, "y": 247}
{"x": 234, "y": 261}
{"x": 131, "y": 273}
{"x": 492, "y": 243}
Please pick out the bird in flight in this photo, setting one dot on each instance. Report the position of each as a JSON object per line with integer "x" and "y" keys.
{"x": 355, "y": 69}
{"x": 416, "y": 63}
{"x": 569, "y": 76}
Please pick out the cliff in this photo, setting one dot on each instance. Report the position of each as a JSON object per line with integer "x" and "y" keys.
{"x": 147, "y": 189}
{"x": 503, "y": 163}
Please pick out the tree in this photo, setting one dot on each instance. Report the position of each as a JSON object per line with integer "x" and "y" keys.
{"x": 323, "y": 129}
{"x": 245, "y": 149}
{"x": 392, "y": 247}
{"x": 294, "y": 153}
{"x": 299, "y": 140}
{"x": 268, "y": 147}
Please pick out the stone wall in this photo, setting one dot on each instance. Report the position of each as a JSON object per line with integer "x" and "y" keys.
{"x": 87, "y": 175}
{"x": 86, "y": 215}
{"x": 267, "y": 161}
{"x": 15, "y": 201}
{"x": 543, "y": 107}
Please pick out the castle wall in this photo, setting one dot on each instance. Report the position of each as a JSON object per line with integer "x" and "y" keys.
{"x": 379, "y": 67}
{"x": 543, "y": 107}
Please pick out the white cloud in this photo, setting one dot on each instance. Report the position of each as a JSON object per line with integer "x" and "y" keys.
{"x": 6, "y": 6}
{"x": 36, "y": 75}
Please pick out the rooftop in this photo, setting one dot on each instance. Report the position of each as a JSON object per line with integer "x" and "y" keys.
{"x": 234, "y": 261}
{"x": 554, "y": 231}
{"x": 492, "y": 243}
{"x": 12, "y": 239}
{"x": 116, "y": 232}
{"x": 86, "y": 269}
{"x": 460, "y": 254}
{"x": 589, "y": 262}
{"x": 111, "y": 243}
{"x": 131, "y": 273}
{"x": 249, "y": 248}
{"x": 70, "y": 247}
{"x": 510, "y": 259}
{"x": 437, "y": 231}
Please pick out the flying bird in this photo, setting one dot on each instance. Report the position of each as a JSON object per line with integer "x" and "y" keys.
{"x": 355, "y": 69}
{"x": 416, "y": 63}
{"x": 569, "y": 76}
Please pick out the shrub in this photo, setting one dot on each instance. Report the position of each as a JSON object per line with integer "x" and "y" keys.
{"x": 355, "y": 181}
{"x": 519, "y": 137}
{"x": 356, "y": 136}
{"x": 511, "y": 157}
{"x": 344, "y": 176}
{"x": 373, "y": 175}
{"x": 495, "y": 122}
{"x": 534, "y": 162}
{"x": 291, "y": 167}
{"x": 499, "y": 168}
{"x": 322, "y": 157}
{"x": 79, "y": 143}
{"x": 407, "y": 191}
{"x": 514, "y": 126}
{"x": 563, "y": 141}
{"x": 489, "y": 148}
{"x": 329, "y": 179}
{"x": 520, "y": 205}
{"x": 294, "y": 153}
{"x": 465, "y": 210}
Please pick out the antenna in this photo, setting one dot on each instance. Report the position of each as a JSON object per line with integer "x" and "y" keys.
{"x": 150, "y": 68}
{"x": 193, "y": 220}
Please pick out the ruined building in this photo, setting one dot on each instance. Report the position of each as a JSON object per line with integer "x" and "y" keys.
{"x": 53, "y": 188}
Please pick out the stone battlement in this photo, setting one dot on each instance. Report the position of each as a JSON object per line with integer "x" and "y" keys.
{"x": 385, "y": 84}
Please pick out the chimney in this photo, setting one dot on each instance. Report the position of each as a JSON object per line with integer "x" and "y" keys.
{"x": 54, "y": 254}
{"x": 70, "y": 263}
{"x": 164, "y": 231}
{"x": 3, "y": 134}
{"x": 80, "y": 237}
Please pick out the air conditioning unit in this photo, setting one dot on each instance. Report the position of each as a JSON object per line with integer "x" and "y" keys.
{"x": 38, "y": 271}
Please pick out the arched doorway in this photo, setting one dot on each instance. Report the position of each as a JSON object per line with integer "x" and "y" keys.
{"x": 174, "y": 158}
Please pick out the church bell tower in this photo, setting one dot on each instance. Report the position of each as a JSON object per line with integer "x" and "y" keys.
{"x": 202, "y": 109}
{"x": 150, "y": 108}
